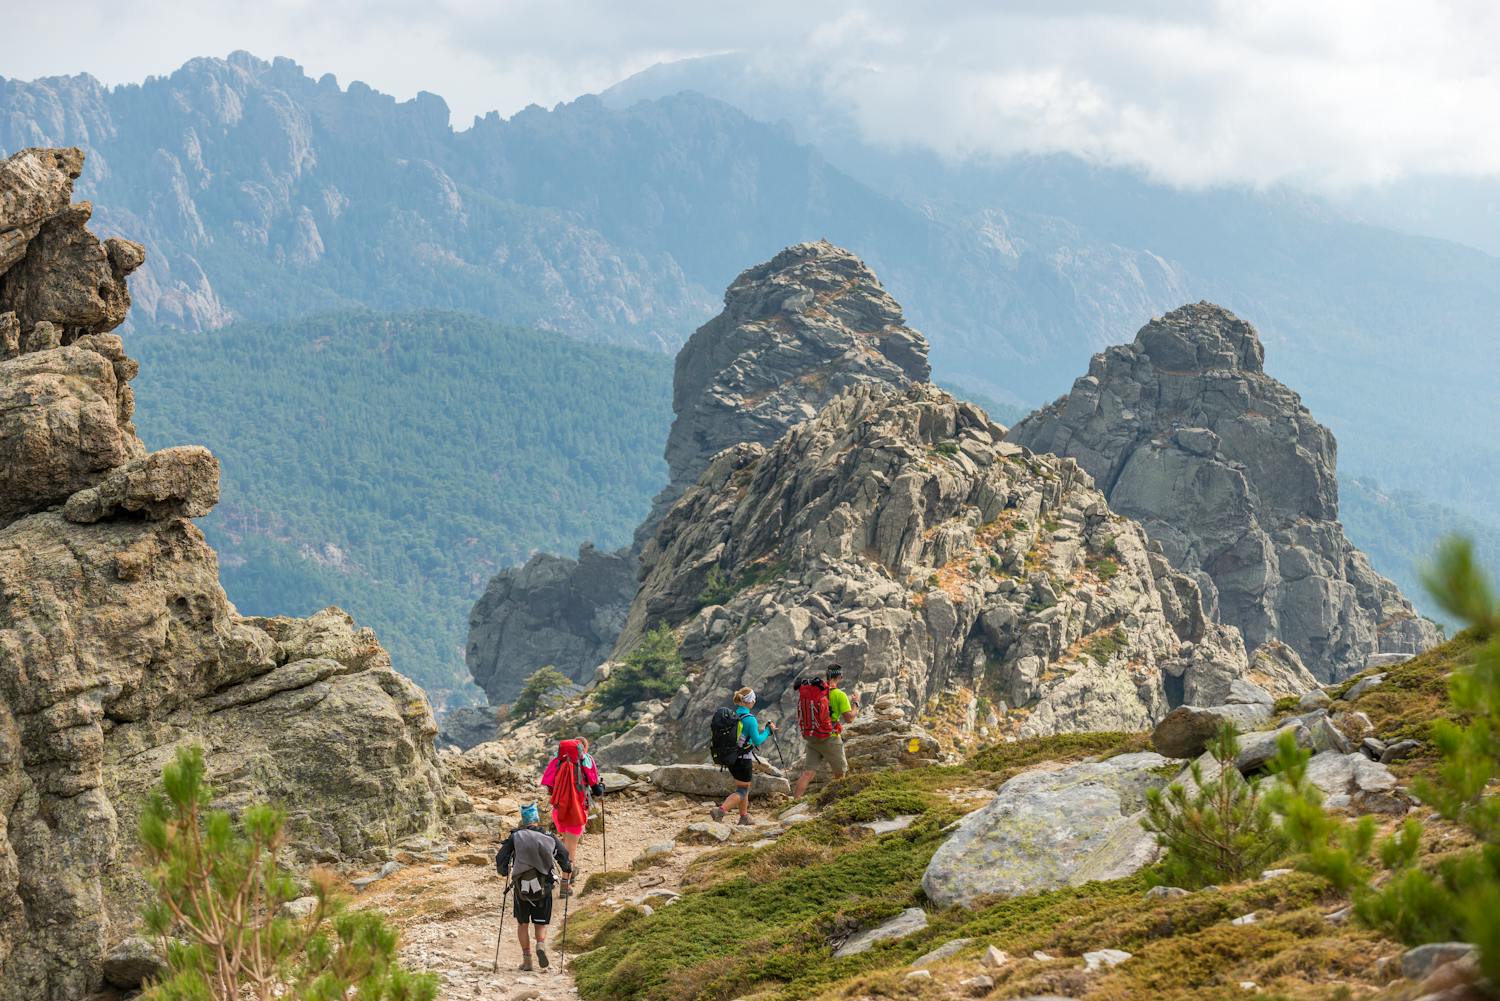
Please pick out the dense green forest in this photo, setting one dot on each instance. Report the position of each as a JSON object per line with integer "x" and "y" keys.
{"x": 389, "y": 464}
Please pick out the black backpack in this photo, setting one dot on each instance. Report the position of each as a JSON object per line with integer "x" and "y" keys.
{"x": 723, "y": 737}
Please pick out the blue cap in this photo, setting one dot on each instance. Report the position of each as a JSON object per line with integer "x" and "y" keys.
{"x": 530, "y": 814}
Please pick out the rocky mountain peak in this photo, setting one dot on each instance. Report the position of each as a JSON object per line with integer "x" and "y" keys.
{"x": 117, "y": 642}
{"x": 795, "y": 331}
{"x": 1201, "y": 337}
{"x": 1233, "y": 477}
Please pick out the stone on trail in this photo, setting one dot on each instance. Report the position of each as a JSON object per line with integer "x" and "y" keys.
{"x": 1050, "y": 828}
{"x": 616, "y": 781}
{"x": 656, "y": 850}
{"x": 639, "y": 771}
{"x": 711, "y": 780}
{"x": 706, "y": 832}
{"x": 909, "y": 921}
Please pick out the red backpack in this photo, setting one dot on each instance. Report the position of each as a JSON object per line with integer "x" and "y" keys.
{"x": 813, "y": 716}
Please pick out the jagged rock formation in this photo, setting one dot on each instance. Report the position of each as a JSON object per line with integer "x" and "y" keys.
{"x": 117, "y": 644}
{"x": 795, "y": 331}
{"x": 1231, "y": 475}
{"x": 553, "y": 610}
{"x": 897, "y": 534}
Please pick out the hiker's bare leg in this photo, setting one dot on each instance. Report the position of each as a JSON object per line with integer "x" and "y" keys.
{"x": 802, "y": 782}
{"x": 731, "y": 802}
{"x": 570, "y": 842}
{"x": 523, "y": 936}
{"x": 744, "y": 798}
{"x": 541, "y": 936}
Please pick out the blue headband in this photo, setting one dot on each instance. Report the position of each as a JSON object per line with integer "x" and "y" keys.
{"x": 530, "y": 814}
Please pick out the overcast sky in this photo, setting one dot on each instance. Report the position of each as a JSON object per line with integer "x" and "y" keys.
{"x": 1319, "y": 92}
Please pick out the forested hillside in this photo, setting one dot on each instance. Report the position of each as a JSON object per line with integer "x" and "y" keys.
{"x": 390, "y": 463}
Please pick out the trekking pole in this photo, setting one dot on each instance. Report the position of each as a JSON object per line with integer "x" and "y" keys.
{"x": 495, "y": 968}
{"x": 776, "y": 738}
{"x": 571, "y": 877}
{"x": 603, "y": 834}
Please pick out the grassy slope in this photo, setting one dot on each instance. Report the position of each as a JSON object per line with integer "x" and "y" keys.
{"x": 763, "y": 923}
{"x": 426, "y": 449}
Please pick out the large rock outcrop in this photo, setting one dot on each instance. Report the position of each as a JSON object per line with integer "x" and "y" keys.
{"x": 897, "y": 534}
{"x": 553, "y": 610}
{"x": 1231, "y": 475}
{"x": 795, "y": 331}
{"x": 117, "y": 643}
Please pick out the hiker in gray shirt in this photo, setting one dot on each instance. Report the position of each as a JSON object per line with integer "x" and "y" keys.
{"x": 526, "y": 858}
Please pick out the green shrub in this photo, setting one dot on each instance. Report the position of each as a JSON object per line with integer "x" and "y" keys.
{"x": 1456, "y": 896}
{"x": 1106, "y": 645}
{"x": 1107, "y": 569}
{"x": 1219, "y": 830}
{"x": 718, "y": 589}
{"x": 948, "y": 448}
{"x": 543, "y": 682}
{"x": 219, "y": 891}
{"x": 653, "y": 670}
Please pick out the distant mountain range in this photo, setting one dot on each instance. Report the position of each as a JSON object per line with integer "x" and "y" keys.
{"x": 264, "y": 195}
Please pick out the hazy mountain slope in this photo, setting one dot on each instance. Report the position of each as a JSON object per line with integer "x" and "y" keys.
{"x": 1387, "y": 336}
{"x": 1396, "y": 529}
{"x": 389, "y": 464}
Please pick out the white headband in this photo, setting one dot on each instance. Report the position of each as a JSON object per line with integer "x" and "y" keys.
{"x": 749, "y": 698}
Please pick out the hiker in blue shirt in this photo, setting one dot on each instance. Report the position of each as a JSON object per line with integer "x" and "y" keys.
{"x": 751, "y": 735}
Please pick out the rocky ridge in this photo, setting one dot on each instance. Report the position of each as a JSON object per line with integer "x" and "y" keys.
{"x": 1230, "y": 474}
{"x": 950, "y": 572}
{"x": 117, "y": 643}
{"x": 795, "y": 331}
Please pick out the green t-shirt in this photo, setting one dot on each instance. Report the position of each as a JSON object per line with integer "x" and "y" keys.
{"x": 838, "y": 704}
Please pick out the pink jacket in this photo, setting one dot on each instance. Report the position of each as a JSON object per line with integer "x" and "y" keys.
{"x": 590, "y": 771}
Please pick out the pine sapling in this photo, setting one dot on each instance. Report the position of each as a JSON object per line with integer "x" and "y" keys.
{"x": 218, "y": 910}
{"x": 1215, "y": 828}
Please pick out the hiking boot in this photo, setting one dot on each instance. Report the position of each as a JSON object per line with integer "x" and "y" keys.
{"x": 541, "y": 957}
{"x": 746, "y": 822}
{"x": 717, "y": 813}
{"x": 526, "y": 966}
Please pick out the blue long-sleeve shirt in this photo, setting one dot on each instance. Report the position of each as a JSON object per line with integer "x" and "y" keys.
{"x": 751, "y": 734}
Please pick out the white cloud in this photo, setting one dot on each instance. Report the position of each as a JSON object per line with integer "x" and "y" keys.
{"x": 1327, "y": 94}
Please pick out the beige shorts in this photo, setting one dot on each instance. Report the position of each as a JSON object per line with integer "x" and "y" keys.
{"x": 830, "y": 751}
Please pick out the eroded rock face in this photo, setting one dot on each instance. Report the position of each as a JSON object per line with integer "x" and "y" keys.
{"x": 553, "y": 610}
{"x": 795, "y": 331}
{"x": 898, "y": 535}
{"x": 1231, "y": 475}
{"x": 117, "y": 643}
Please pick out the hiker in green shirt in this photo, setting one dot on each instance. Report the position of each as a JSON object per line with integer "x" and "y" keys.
{"x": 828, "y": 749}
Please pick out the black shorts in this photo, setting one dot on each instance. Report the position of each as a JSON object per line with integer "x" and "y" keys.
{"x": 742, "y": 769}
{"x": 539, "y": 913}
